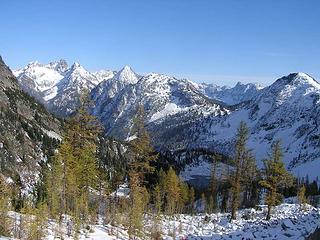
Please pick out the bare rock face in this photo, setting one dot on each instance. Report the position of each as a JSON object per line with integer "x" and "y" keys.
{"x": 28, "y": 133}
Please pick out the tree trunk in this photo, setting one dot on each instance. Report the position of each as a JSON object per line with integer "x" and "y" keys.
{"x": 268, "y": 213}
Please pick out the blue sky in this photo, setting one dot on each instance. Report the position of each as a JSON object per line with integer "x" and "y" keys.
{"x": 204, "y": 40}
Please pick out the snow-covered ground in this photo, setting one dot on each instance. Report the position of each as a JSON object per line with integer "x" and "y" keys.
{"x": 122, "y": 191}
{"x": 289, "y": 221}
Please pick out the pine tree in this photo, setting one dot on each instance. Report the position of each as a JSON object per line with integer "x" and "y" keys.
{"x": 140, "y": 147}
{"x": 142, "y": 154}
{"x": 5, "y": 221}
{"x": 157, "y": 199}
{"x": 191, "y": 199}
{"x": 276, "y": 177}
{"x": 184, "y": 195}
{"x": 240, "y": 164}
{"x": 37, "y": 223}
{"x": 250, "y": 182}
{"x": 301, "y": 195}
{"x": 204, "y": 202}
{"x": 225, "y": 192}
{"x": 139, "y": 198}
{"x": 75, "y": 168}
{"x": 173, "y": 191}
{"x": 214, "y": 183}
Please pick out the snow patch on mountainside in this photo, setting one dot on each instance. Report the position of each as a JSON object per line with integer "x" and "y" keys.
{"x": 169, "y": 109}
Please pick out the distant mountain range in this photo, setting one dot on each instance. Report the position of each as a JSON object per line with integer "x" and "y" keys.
{"x": 183, "y": 115}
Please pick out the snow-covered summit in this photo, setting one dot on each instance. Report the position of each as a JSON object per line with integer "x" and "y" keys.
{"x": 127, "y": 75}
{"x": 299, "y": 79}
{"x": 78, "y": 75}
{"x": 54, "y": 83}
{"x": 60, "y": 66}
{"x": 39, "y": 80}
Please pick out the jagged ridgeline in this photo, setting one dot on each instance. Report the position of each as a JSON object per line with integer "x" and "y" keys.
{"x": 28, "y": 133}
{"x": 183, "y": 115}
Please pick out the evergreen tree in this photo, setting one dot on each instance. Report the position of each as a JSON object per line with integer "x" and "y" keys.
{"x": 75, "y": 167}
{"x": 301, "y": 195}
{"x": 140, "y": 148}
{"x": 36, "y": 228}
{"x": 158, "y": 199}
{"x": 276, "y": 177}
{"x": 5, "y": 221}
{"x": 191, "y": 199}
{"x": 173, "y": 191}
{"x": 250, "y": 182}
{"x": 241, "y": 161}
{"x": 204, "y": 202}
{"x": 139, "y": 198}
{"x": 214, "y": 183}
{"x": 142, "y": 154}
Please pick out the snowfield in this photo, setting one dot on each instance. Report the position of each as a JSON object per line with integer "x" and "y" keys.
{"x": 289, "y": 221}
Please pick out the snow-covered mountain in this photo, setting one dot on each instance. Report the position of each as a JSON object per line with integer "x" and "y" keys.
{"x": 162, "y": 97}
{"x": 181, "y": 114}
{"x": 58, "y": 86}
{"x": 230, "y": 95}
{"x": 288, "y": 110}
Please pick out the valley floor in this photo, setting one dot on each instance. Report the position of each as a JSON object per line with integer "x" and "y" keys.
{"x": 289, "y": 221}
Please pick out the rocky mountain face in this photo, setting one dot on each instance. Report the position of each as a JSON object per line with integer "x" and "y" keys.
{"x": 166, "y": 100}
{"x": 183, "y": 116}
{"x": 57, "y": 86}
{"x": 28, "y": 133}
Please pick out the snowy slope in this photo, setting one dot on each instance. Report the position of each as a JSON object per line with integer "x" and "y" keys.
{"x": 288, "y": 222}
{"x": 288, "y": 110}
{"x": 41, "y": 80}
{"x": 104, "y": 75}
{"x": 229, "y": 95}
{"x": 116, "y": 101}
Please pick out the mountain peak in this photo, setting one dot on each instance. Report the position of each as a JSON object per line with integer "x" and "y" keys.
{"x": 33, "y": 64}
{"x": 76, "y": 65}
{"x": 60, "y": 66}
{"x": 126, "y": 74}
{"x": 78, "y": 68}
{"x": 299, "y": 78}
{"x": 126, "y": 68}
